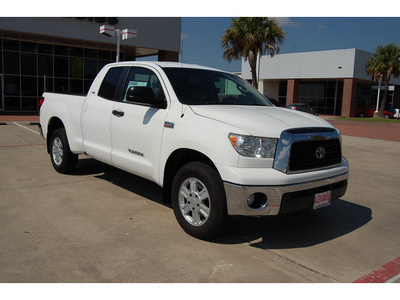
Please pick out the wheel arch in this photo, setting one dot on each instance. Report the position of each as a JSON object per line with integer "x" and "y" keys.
{"x": 54, "y": 124}
{"x": 175, "y": 161}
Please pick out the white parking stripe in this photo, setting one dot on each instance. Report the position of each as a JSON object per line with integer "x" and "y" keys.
{"x": 393, "y": 279}
{"x": 26, "y": 128}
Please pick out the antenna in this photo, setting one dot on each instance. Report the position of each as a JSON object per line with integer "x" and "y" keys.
{"x": 181, "y": 52}
{"x": 182, "y": 39}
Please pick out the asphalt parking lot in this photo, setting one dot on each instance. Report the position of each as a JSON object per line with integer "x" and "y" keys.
{"x": 101, "y": 224}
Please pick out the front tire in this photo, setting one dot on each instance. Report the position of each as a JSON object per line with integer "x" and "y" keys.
{"x": 62, "y": 159}
{"x": 199, "y": 201}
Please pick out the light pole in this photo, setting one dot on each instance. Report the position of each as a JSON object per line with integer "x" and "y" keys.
{"x": 110, "y": 31}
{"x": 379, "y": 93}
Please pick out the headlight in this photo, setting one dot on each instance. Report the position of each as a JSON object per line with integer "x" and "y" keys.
{"x": 251, "y": 146}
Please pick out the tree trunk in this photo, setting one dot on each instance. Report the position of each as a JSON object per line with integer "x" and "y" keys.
{"x": 253, "y": 68}
{"x": 383, "y": 104}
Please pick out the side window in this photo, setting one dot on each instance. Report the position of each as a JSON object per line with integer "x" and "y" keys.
{"x": 109, "y": 84}
{"x": 140, "y": 77}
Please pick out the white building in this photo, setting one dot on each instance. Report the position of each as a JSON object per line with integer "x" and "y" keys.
{"x": 335, "y": 82}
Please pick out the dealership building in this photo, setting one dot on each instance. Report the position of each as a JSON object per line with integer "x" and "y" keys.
{"x": 63, "y": 55}
{"x": 335, "y": 82}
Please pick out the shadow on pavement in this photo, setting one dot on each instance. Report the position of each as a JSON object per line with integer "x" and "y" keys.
{"x": 125, "y": 180}
{"x": 300, "y": 229}
{"x": 295, "y": 230}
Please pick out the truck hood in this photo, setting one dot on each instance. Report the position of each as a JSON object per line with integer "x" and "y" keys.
{"x": 267, "y": 121}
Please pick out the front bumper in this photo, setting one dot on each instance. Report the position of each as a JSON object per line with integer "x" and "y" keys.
{"x": 284, "y": 198}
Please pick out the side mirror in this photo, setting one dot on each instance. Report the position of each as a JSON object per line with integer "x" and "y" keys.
{"x": 145, "y": 96}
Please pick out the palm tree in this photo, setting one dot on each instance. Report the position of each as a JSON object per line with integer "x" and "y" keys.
{"x": 385, "y": 62}
{"x": 250, "y": 38}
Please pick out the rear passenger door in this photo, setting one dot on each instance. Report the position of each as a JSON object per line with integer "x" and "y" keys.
{"x": 97, "y": 113}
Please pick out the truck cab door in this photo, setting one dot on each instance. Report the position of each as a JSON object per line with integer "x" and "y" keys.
{"x": 137, "y": 123}
{"x": 97, "y": 114}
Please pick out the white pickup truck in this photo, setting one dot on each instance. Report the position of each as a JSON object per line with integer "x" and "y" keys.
{"x": 212, "y": 141}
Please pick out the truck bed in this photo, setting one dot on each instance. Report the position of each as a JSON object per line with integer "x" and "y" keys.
{"x": 67, "y": 108}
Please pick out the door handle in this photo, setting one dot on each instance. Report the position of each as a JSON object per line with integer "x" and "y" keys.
{"x": 118, "y": 113}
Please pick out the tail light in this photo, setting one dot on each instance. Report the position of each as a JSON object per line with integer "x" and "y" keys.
{"x": 41, "y": 100}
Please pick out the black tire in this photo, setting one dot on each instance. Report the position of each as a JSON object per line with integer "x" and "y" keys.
{"x": 361, "y": 115}
{"x": 386, "y": 116}
{"x": 62, "y": 159}
{"x": 199, "y": 201}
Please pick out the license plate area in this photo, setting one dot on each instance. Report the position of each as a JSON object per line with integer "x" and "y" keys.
{"x": 322, "y": 199}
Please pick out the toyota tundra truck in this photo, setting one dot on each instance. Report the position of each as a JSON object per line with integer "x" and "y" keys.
{"x": 215, "y": 145}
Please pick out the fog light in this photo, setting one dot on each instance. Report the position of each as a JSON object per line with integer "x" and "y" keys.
{"x": 257, "y": 201}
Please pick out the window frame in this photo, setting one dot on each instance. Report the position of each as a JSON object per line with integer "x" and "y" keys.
{"x": 153, "y": 73}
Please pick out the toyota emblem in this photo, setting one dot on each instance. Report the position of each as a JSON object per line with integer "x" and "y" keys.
{"x": 320, "y": 152}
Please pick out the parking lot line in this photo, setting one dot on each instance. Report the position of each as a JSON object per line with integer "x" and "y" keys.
{"x": 26, "y": 128}
{"x": 387, "y": 273}
{"x": 13, "y": 146}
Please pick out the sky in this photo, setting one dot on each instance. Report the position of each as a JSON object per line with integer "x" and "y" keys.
{"x": 201, "y": 36}
{"x": 310, "y": 25}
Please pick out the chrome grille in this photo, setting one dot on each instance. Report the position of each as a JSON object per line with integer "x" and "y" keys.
{"x": 301, "y": 149}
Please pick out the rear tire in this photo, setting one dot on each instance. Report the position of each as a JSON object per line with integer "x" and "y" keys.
{"x": 62, "y": 159}
{"x": 199, "y": 201}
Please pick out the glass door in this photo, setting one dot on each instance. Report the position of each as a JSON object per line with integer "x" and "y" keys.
{"x": 1, "y": 93}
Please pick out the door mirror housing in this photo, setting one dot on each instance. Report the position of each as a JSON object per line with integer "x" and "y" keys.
{"x": 144, "y": 96}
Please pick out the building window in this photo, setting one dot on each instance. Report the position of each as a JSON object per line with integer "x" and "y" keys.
{"x": 325, "y": 96}
{"x": 28, "y": 69}
{"x": 28, "y": 64}
{"x": 11, "y": 62}
{"x": 364, "y": 95}
{"x": 282, "y": 92}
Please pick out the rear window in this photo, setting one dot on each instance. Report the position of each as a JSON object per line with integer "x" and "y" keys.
{"x": 109, "y": 84}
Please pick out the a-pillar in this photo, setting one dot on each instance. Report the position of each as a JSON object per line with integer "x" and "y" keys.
{"x": 349, "y": 97}
{"x": 292, "y": 92}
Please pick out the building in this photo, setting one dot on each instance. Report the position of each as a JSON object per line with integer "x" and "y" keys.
{"x": 335, "y": 82}
{"x": 65, "y": 54}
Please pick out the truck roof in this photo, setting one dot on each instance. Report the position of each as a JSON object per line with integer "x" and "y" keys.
{"x": 163, "y": 64}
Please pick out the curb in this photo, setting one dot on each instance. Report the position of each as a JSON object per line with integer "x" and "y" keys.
{"x": 389, "y": 273}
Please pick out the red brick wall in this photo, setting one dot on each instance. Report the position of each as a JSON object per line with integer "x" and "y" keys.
{"x": 292, "y": 94}
{"x": 349, "y": 97}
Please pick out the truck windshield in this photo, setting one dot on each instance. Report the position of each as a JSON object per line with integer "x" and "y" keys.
{"x": 205, "y": 87}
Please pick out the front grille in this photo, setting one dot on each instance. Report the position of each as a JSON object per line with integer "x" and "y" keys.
{"x": 297, "y": 149}
{"x": 303, "y": 154}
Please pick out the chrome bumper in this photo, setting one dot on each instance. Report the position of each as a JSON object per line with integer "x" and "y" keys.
{"x": 237, "y": 195}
